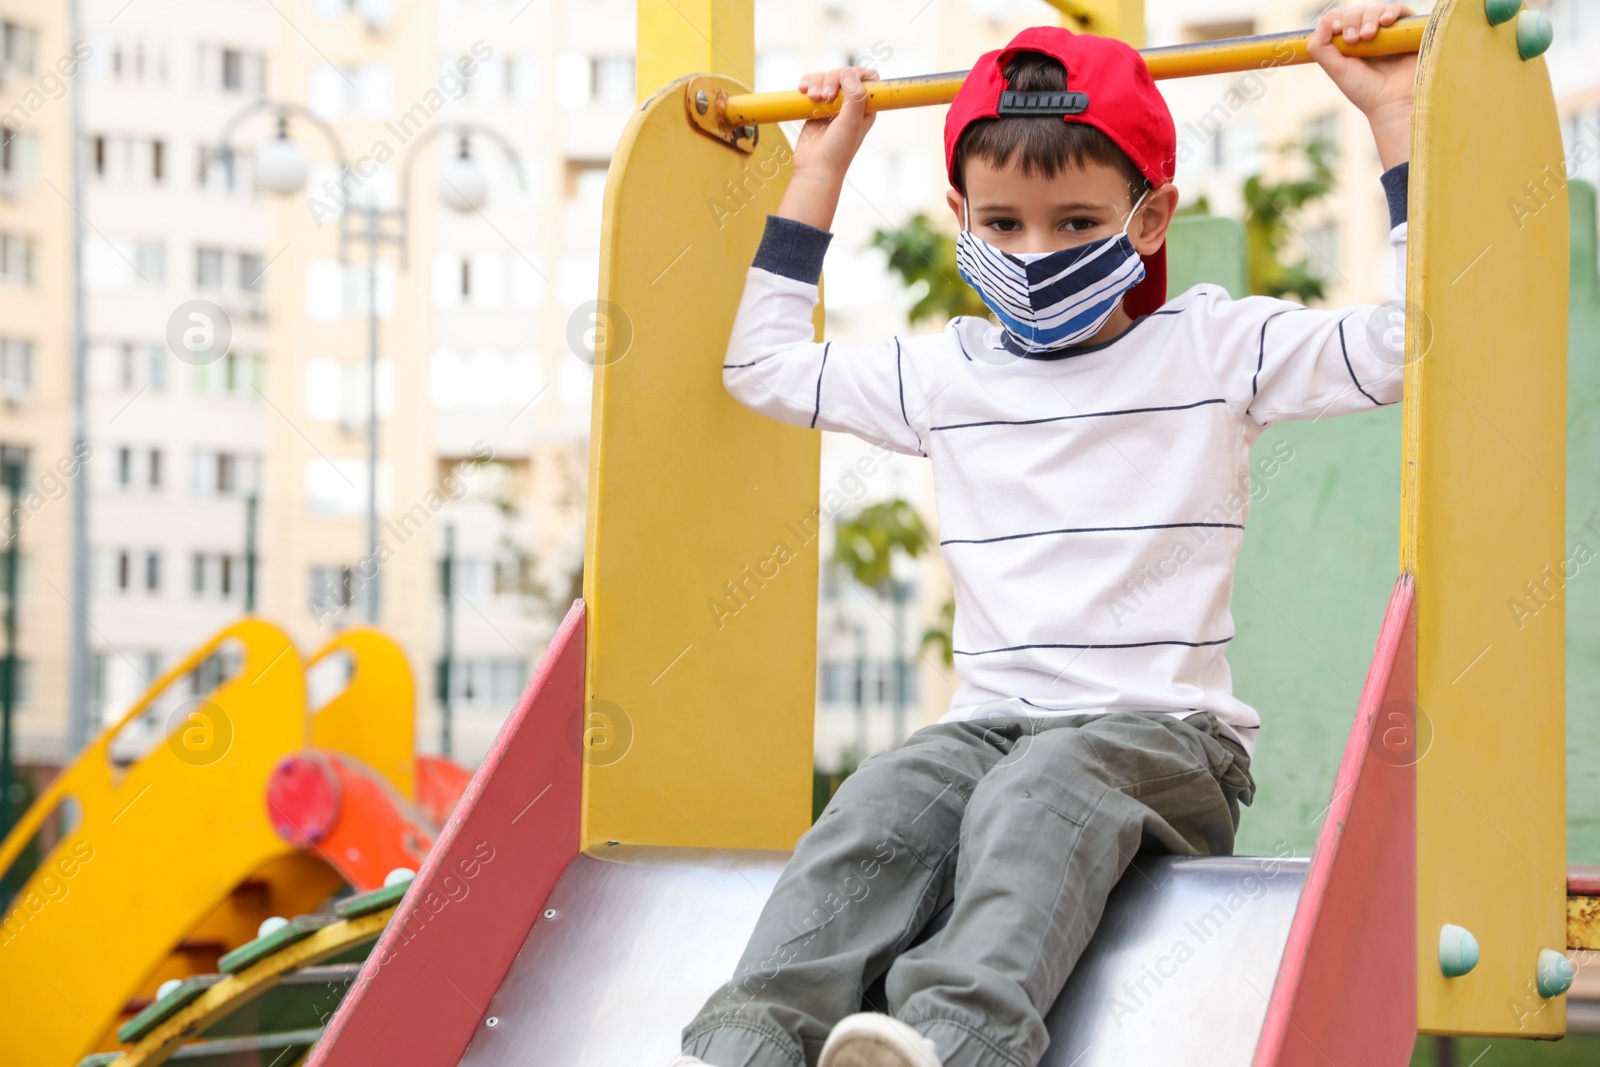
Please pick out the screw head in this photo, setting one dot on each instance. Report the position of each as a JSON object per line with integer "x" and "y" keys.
{"x": 549, "y": 913}
{"x": 492, "y": 1021}
{"x": 702, "y": 102}
{"x": 753, "y": 133}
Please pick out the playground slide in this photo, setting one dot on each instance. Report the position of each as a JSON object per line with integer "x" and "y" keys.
{"x": 194, "y": 818}
{"x": 514, "y": 947}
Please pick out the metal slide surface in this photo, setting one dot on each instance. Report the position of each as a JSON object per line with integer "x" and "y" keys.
{"x": 1181, "y": 968}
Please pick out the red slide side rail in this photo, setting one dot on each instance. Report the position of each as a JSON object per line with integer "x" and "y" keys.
{"x": 1346, "y": 993}
{"x": 423, "y": 992}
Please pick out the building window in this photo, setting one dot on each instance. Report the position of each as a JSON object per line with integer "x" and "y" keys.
{"x": 19, "y": 50}
{"x": 158, "y": 151}
{"x": 212, "y": 574}
{"x": 16, "y": 259}
{"x": 836, "y": 676}
{"x": 208, "y": 268}
{"x": 334, "y": 589}
{"x": 124, "y": 467}
{"x": 213, "y": 168}
{"x": 155, "y": 468}
{"x": 124, "y": 565}
{"x": 492, "y": 682}
{"x": 150, "y": 261}
{"x": 126, "y": 365}
{"x": 16, "y": 369}
{"x": 1324, "y": 130}
{"x": 232, "y": 70}
{"x": 224, "y": 473}
{"x": 250, "y": 272}
{"x": 19, "y": 157}
{"x": 1322, "y": 251}
{"x": 152, "y": 572}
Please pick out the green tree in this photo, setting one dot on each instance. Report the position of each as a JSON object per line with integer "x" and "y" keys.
{"x": 865, "y": 543}
{"x": 864, "y": 547}
{"x": 1270, "y": 209}
{"x": 924, "y": 257}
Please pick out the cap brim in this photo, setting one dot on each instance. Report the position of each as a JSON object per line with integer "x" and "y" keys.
{"x": 1150, "y": 293}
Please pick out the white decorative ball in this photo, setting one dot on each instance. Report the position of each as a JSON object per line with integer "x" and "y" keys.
{"x": 398, "y": 875}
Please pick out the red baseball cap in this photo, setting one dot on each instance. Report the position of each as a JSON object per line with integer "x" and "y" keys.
{"x": 1108, "y": 87}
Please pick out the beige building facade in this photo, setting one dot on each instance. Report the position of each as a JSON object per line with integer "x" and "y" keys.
{"x": 39, "y": 68}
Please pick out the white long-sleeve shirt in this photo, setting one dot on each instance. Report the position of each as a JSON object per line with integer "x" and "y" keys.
{"x": 1090, "y": 506}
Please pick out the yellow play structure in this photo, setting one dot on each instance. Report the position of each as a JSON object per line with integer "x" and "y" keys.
{"x": 168, "y": 856}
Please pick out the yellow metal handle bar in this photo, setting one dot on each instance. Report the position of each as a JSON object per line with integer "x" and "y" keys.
{"x": 1175, "y": 61}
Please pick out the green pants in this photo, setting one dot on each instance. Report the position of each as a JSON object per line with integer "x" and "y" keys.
{"x": 1026, "y": 824}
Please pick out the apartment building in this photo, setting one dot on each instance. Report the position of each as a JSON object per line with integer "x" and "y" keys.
{"x": 179, "y": 442}
{"x": 38, "y": 69}
{"x": 482, "y": 409}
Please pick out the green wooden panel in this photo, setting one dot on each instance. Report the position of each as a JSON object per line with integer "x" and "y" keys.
{"x": 164, "y": 1008}
{"x": 253, "y": 952}
{"x": 1320, "y": 559}
{"x": 1583, "y": 542}
{"x": 1205, "y": 248}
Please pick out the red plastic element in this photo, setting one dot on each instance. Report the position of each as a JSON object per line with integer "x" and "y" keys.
{"x": 377, "y": 831}
{"x": 303, "y": 798}
{"x": 1347, "y": 987}
{"x": 423, "y": 991}
{"x": 348, "y": 815}
{"x": 440, "y": 785}
{"x": 1583, "y": 882}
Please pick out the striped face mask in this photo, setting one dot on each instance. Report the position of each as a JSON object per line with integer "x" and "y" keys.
{"x": 1048, "y": 301}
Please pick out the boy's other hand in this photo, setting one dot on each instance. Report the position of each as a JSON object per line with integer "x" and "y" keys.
{"x": 827, "y": 145}
{"x": 1380, "y": 86}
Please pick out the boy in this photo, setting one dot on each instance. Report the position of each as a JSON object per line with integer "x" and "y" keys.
{"x": 1090, "y": 459}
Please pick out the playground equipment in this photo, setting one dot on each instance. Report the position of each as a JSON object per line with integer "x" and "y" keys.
{"x": 202, "y": 813}
{"x": 638, "y": 802}
{"x": 272, "y": 997}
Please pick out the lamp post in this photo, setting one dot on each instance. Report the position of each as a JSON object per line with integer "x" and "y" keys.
{"x": 282, "y": 166}
{"x": 11, "y": 470}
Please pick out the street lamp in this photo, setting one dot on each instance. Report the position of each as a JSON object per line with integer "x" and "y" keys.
{"x": 282, "y": 166}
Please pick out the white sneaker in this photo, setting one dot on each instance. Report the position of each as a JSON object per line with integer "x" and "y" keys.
{"x": 872, "y": 1040}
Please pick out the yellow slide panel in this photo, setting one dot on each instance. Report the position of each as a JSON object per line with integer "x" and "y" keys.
{"x": 701, "y": 573}
{"x": 374, "y": 717}
{"x": 1483, "y": 518}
